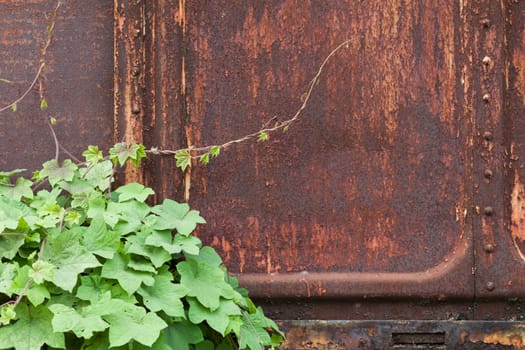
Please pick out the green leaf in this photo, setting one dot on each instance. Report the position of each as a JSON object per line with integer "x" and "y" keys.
{"x": 164, "y": 295}
{"x": 7, "y": 314}
{"x": 129, "y": 215}
{"x": 286, "y": 127}
{"x": 134, "y": 323}
{"x": 207, "y": 255}
{"x": 8, "y": 174}
{"x": 56, "y": 172}
{"x": 93, "y": 154}
{"x": 10, "y": 243}
{"x": 98, "y": 240}
{"x": 263, "y": 136}
{"x": 141, "y": 264}
{"x": 183, "y": 158}
{"x": 205, "y": 282}
{"x": 35, "y": 293}
{"x": 79, "y": 321}
{"x": 7, "y": 275}
{"x": 14, "y": 107}
{"x": 189, "y": 244}
{"x": 41, "y": 271}
{"x": 181, "y": 335}
{"x": 10, "y": 214}
{"x": 122, "y": 152}
{"x": 52, "y": 120}
{"x": 254, "y": 334}
{"x": 63, "y": 249}
{"x": 217, "y": 319}
{"x": 135, "y": 244}
{"x": 73, "y": 217}
{"x": 173, "y": 215}
{"x": 205, "y": 345}
{"x": 43, "y": 104}
{"x": 215, "y": 151}
{"x": 130, "y": 280}
{"x": 97, "y": 207}
{"x": 94, "y": 288}
{"x": 205, "y": 158}
{"x": 77, "y": 186}
{"x": 22, "y": 188}
{"x": 31, "y": 331}
{"x": 99, "y": 175}
{"x": 133, "y": 191}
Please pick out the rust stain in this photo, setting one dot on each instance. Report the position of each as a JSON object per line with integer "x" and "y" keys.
{"x": 514, "y": 337}
{"x": 518, "y": 215}
{"x": 518, "y": 61}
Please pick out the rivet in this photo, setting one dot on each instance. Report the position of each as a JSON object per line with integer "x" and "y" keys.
{"x": 488, "y": 173}
{"x": 489, "y": 248}
{"x": 486, "y": 23}
{"x": 486, "y": 98}
{"x": 486, "y": 60}
{"x": 488, "y": 211}
{"x": 135, "y": 109}
{"x": 135, "y": 70}
{"x": 487, "y": 135}
{"x": 490, "y": 286}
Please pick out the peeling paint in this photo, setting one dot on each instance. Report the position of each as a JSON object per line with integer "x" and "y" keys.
{"x": 518, "y": 215}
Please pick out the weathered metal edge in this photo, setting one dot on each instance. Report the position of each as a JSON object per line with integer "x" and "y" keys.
{"x": 395, "y": 334}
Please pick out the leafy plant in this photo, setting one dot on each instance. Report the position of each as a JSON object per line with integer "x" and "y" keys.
{"x": 87, "y": 267}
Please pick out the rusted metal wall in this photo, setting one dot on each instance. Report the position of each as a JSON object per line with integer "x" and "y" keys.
{"x": 400, "y": 183}
{"x": 368, "y": 195}
{"x": 78, "y": 79}
{"x": 398, "y": 195}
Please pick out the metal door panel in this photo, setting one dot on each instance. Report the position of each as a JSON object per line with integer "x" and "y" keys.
{"x": 369, "y": 194}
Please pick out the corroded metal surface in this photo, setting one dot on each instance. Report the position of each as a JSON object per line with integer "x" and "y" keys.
{"x": 499, "y": 48}
{"x": 77, "y": 79}
{"x": 369, "y": 194}
{"x": 129, "y": 78}
{"x": 399, "y": 195}
{"x": 164, "y": 114}
{"x": 332, "y": 335}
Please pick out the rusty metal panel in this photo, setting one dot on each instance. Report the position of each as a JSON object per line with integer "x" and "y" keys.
{"x": 334, "y": 335}
{"x": 369, "y": 194}
{"x": 164, "y": 108}
{"x": 498, "y": 48}
{"x": 77, "y": 78}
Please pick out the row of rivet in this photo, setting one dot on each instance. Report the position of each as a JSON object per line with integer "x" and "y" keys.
{"x": 488, "y": 137}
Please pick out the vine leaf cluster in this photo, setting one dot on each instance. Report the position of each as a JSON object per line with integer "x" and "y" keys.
{"x": 87, "y": 267}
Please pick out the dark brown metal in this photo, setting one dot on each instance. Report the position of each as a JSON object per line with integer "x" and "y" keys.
{"x": 164, "y": 107}
{"x": 130, "y": 31}
{"x": 77, "y": 79}
{"x": 370, "y": 193}
{"x": 503, "y": 43}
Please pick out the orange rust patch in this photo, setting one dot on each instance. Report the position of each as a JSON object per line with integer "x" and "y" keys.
{"x": 518, "y": 213}
{"x": 514, "y": 338}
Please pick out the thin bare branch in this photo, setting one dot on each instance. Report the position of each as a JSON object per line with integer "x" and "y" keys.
{"x": 42, "y": 62}
{"x": 198, "y": 151}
